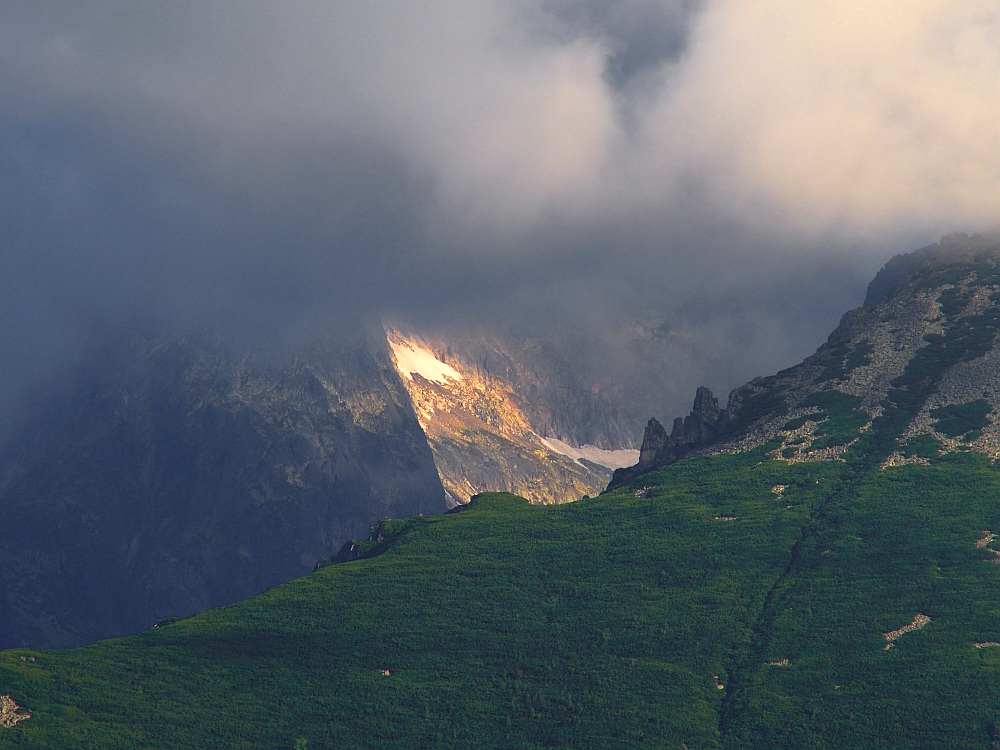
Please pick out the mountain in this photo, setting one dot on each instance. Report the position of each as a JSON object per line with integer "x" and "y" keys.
{"x": 487, "y": 428}
{"x": 813, "y": 565}
{"x": 915, "y": 369}
{"x": 176, "y": 473}
{"x": 171, "y": 472}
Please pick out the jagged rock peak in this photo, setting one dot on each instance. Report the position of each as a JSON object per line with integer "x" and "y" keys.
{"x": 909, "y": 376}
{"x": 653, "y": 441}
{"x": 704, "y": 424}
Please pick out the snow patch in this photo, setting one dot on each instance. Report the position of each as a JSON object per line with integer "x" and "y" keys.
{"x": 413, "y": 359}
{"x": 611, "y": 459}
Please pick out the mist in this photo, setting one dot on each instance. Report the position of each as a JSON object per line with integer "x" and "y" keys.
{"x": 739, "y": 169}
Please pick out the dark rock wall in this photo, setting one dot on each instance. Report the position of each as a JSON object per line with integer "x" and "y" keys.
{"x": 177, "y": 476}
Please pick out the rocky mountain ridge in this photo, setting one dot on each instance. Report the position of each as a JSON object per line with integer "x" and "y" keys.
{"x": 820, "y": 570}
{"x": 920, "y": 348}
{"x": 179, "y": 471}
{"x": 178, "y": 474}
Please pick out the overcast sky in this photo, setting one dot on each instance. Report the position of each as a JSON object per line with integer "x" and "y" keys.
{"x": 740, "y": 167}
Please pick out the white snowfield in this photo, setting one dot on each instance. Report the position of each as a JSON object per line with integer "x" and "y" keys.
{"x": 413, "y": 359}
{"x": 611, "y": 459}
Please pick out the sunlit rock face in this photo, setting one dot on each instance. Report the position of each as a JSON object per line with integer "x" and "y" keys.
{"x": 176, "y": 474}
{"x": 483, "y": 436}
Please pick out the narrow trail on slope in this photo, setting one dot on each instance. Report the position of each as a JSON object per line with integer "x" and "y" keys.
{"x": 743, "y": 672}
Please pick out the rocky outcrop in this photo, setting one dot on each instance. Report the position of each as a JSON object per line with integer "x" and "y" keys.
{"x": 478, "y": 430}
{"x": 655, "y": 442}
{"x": 958, "y": 248}
{"x": 704, "y": 425}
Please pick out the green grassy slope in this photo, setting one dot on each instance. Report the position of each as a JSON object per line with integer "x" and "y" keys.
{"x": 610, "y": 622}
{"x": 889, "y": 546}
{"x": 591, "y": 624}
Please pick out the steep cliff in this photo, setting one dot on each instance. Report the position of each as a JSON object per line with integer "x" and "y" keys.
{"x": 481, "y": 432}
{"x": 177, "y": 474}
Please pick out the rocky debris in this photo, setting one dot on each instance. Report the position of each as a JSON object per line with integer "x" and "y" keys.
{"x": 779, "y": 663}
{"x": 796, "y": 446}
{"x": 984, "y": 544}
{"x": 988, "y": 537}
{"x": 11, "y": 713}
{"x": 953, "y": 248}
{"x": 987, "y": 644}
{"x": 918, "y": 622}
{"x": 898, "y": 459}
{"x": 965, "y": 382}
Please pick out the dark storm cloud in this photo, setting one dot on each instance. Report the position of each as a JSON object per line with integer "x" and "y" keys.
{"x": 287, "y": 168}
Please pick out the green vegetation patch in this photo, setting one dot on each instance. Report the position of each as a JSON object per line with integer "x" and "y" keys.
{"x": 887, "y": 549}
{"x": 843, "y": 417}
{"x": 954, "y": 300}
{"x": 767, "y": 402}
{"x": 841, "y": 360}
{"x": 954, "y": 420}
{"x": 798, "y": 422}
{"x": 963, "y": 340}
{"x": 922, "y": 446}
{"x": 943, "y": 277}
{"x": 605, "y": 623}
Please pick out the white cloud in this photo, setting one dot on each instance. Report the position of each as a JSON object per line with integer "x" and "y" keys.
{"x": 854, "y": 114}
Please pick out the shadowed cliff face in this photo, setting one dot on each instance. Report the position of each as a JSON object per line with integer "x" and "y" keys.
{"x": 176, "y": 475}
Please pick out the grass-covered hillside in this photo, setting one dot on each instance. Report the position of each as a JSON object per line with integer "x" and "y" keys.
{"x": 722, "y": 602}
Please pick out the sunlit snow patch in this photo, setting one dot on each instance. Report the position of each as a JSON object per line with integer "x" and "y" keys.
{"x": 610, "y": 459}
{"x": 413, "y": 359}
